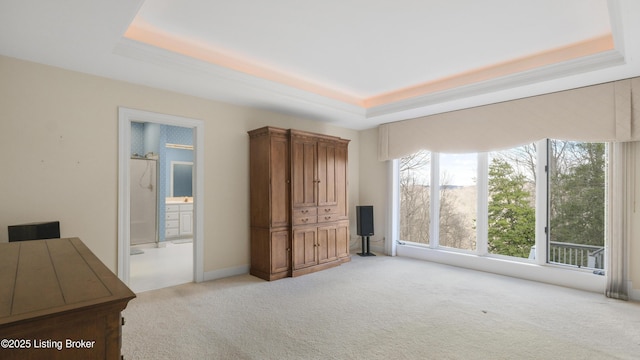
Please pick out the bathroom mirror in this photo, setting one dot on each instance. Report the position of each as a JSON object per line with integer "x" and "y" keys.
{"x": 181, "y": 178}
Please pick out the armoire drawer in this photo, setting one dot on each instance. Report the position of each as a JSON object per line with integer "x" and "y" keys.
{"x": 327, "y": 210}
{"x": 304, "y": 212}
{"x": 303, "y": 216}
{"x": 305, "y": 220}
{"x": 328, "y": 217}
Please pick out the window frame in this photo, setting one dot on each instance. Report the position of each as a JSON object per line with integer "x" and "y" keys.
{"x": 474, "y": 258}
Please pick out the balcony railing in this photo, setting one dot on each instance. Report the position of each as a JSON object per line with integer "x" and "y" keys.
{"x": 588, "y": 256}
{"x": 583, "y": 256}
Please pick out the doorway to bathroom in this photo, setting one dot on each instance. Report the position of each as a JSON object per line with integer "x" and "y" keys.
{"x": 160, "y": 228}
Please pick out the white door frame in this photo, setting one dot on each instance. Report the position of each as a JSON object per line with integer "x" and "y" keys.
{"x": 125, "y": 118}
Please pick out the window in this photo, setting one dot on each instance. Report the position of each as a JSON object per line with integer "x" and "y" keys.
{"x": 576, "y": 203}
{"x": 415, "y": 179}
{"x": 458, "y": 201}
{"x": 511, "y": 202}
{"x": 486, "y": 203}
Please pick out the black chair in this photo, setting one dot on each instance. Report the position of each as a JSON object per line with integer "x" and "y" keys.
{"x": 34, "y": 231}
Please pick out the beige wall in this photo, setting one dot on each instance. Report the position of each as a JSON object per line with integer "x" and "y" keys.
{"x": 59, "y": 156}
{"x": 374, "y": 186}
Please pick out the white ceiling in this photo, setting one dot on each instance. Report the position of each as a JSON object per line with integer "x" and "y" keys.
{"x": 355, "y": 63}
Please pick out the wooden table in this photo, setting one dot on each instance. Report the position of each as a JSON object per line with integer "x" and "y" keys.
{"x": 58, "y": 301}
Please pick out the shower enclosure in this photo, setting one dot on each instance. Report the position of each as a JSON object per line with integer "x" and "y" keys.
{"x": 144, "y": 200}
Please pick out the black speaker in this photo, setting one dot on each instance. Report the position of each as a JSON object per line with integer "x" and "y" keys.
{"x": 34, "y": 231}
{"x": 364, "y": 220}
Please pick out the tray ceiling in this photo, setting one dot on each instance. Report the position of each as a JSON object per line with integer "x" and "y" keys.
{"x": 351, "y": 63}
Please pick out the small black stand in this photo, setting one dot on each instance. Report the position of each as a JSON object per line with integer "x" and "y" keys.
{"x": 365, "y": 250}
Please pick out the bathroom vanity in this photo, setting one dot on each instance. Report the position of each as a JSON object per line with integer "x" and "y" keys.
{"x": 178, "y": 218}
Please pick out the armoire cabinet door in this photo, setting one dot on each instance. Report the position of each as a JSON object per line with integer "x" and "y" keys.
{"x": 279, "y": 178}
{"x": 303, "y": 172}
{"x": 280, "y": 251}
{"x": 341, "y": 183}
{"x": 342, "y": 239}
{"x": 304, "y": 247}
{"x": 327, "y": 243}
{"x": 333, "y": 241}
{"x": 327, "y": 194}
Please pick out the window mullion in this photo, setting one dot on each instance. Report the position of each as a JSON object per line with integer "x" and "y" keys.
{"x": 434, "y": 202}
{"x": 394, "y": 215}
{"x": 482, "y": 221}
{"x": 542, "y": 201}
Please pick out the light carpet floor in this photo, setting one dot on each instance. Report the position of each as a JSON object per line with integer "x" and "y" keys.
{"x": 380, "y": 308}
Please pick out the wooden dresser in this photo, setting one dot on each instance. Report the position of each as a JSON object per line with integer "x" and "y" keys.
{"x": 58, "y": 301}
{"x": 299, "y": 202}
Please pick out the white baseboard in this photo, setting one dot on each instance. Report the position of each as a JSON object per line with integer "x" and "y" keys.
{"x": 223, "y": 273}
{"x": 572, "y": 278}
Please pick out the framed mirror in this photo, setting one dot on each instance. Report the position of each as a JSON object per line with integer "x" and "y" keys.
{"x": 181, "y": 178}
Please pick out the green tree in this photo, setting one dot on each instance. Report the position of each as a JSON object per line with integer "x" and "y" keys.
{"x": 511, "y": 216}
{"x": 577, "y": 207}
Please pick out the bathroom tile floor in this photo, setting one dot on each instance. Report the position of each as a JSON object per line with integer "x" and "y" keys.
{"x": 159, "y": 267}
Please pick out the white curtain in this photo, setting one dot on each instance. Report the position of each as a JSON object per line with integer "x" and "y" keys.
{"x": 622, "y": 185}
{"x": 597, "y": 113}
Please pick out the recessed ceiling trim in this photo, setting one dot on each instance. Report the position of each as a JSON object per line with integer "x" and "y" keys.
{"x": 144, "y": 33}
{"x": 165, "y": 58}
{"x": 581, "y": 65}
{"x": 615, "y": 21}
{"x": 570, "y": 52}
{"x": 148, "y": 34}
{"x": 237, "y": 83}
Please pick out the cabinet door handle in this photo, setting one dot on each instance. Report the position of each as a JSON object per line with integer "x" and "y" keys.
{"x": 327, "y": 217}
{"x": 122, "y": 320}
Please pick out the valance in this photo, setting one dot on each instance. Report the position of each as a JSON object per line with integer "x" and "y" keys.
{"x": 597, "y": 113}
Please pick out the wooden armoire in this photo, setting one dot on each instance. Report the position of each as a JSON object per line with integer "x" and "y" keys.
{"x": 299, "y": 203}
